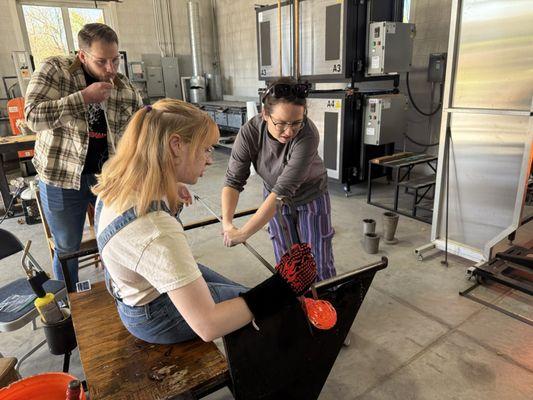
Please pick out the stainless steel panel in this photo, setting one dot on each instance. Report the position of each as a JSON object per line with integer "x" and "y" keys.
{"x": 171, "y": 77}
{"x": 385, "y": 119}
{"x": 390, "y": 48}
{"x": 486, "y": 162}
{"x": 495, "y": 55}
{"x": 319, "y": 110}
{"x": 154, "y": 82}
{"x": 269, "y": 49}
{"x": 320, "y": 38}
{"x": 151, "y": 60}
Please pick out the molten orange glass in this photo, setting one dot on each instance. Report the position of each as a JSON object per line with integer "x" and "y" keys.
{"x": 321, "y": 313}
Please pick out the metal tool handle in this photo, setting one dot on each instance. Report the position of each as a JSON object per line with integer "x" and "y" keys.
{"x": 292, "y": 228}
{"x": 248, "y": 246}
{"x": 347, "y": 276}
{"x": 259, "y": 257}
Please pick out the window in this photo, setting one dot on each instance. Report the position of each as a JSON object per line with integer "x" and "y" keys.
{"x": 46, "y": 31}
{"x": 81, "y": 16}
{"x": 53, "y": 30}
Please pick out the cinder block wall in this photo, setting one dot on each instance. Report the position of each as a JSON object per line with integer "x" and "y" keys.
{"x": 138, "y": 35}
{"x": 238, "y": 47}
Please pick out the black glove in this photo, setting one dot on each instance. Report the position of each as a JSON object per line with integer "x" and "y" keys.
{"x": 296, "y": 272}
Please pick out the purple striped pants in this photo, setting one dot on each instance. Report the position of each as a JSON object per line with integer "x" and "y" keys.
{"x": 314, "y": 227}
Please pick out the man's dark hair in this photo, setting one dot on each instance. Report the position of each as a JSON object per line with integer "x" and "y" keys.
{"x": 96, "y": 32}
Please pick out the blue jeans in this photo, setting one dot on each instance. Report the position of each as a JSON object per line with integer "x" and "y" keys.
{"x": 65, "y": 211}
{"x": 160, "y": 322}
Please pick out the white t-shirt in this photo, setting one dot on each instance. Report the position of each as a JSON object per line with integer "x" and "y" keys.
{"x": 148, "y": 257}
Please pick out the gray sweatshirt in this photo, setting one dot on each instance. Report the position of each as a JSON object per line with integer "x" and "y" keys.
{"x": 293, "y": 169}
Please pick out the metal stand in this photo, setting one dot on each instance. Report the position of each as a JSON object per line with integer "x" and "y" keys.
{"x": 466, "y": 293}
{"x": 512, "y": 268}
{"x": 66, "y": 362}
{"x": 400, "y": 169}
{"x": 420, "y": 251}
{"x": 287, "y": 360}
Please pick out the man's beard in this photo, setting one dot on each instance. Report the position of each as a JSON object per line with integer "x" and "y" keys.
{"x": 100, "y": 78}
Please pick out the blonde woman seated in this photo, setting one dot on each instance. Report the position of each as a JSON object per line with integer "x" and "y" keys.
{"x": 162, "y": 294}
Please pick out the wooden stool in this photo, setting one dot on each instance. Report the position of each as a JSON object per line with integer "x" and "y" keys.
{"x": 8, "y": 373}
{"x": 119, "y": 366}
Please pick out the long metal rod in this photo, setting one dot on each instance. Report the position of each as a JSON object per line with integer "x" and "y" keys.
{"x": 284, "y": 229}
{"x": 249, "y": 247}
{"x": 297, "y": 39}
{"x": 211, "y": 221}
{"x": 466, "y": 293}
{"x": 340, "y": 279}
{"x": 447, "y": 150}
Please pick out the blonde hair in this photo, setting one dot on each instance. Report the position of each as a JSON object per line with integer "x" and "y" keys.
{"x": 143, "y": 167}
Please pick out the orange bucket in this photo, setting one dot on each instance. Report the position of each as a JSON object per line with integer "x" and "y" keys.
{"x": 48, "y": 386}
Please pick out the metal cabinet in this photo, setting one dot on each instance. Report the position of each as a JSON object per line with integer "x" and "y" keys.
{"x": 338, "y": 116}
{"x": 332, "y": 38}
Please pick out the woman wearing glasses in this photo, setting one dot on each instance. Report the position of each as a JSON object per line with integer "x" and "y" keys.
{"x": 282, "y": 145}
{"x": 162, "y": 295}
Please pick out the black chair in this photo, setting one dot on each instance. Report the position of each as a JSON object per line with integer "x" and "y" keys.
{"x": 17, "y": 317}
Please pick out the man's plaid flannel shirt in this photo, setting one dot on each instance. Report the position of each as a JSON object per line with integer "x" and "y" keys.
{"x": 56, "y": 111}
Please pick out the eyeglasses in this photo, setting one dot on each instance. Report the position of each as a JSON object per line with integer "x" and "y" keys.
{"x": 102, "y": 62}
{"x": 283, "y": 126}
{"x": 286, "y": 90}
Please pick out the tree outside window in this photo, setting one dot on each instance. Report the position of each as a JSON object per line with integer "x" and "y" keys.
{"x": 46, "y": 31}
{"x": 47, "y": 34}
{"x": 81, "y": 16}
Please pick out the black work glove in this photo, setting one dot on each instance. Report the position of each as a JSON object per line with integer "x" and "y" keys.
{"x": 296, "y": 271}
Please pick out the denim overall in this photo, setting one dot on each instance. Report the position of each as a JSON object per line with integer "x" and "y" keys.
{"x": 158, "y": 321}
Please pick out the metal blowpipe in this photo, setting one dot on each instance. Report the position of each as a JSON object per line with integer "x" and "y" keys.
{"x": 249, "y": 247}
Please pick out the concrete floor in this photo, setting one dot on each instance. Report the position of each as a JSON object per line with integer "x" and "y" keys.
{"x": 414, "y": 337}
